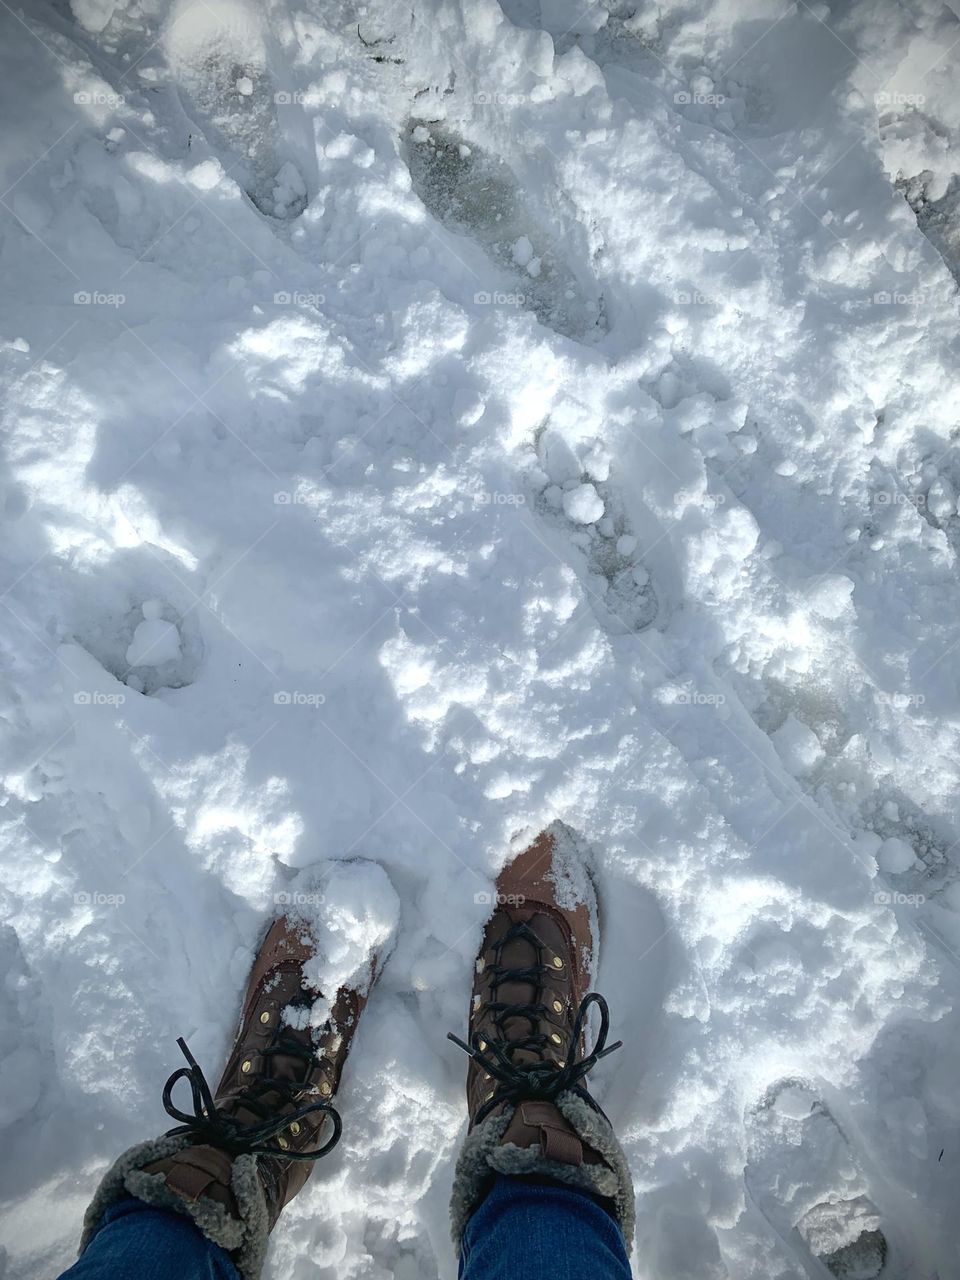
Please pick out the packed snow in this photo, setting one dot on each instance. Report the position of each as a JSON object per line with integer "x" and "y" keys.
{"x": 423, "y": 423}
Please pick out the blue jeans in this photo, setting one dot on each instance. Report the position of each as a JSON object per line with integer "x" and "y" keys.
{"x": 521, "y": 1231}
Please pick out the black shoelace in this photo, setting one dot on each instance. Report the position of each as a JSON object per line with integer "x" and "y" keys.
{"x": 212, "y": 1124}
{"x": 543, "y": 1080}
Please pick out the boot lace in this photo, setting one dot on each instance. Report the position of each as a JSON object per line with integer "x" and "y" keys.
{"x": 540, "y": 1080}
{"x": 217, "y": 1127}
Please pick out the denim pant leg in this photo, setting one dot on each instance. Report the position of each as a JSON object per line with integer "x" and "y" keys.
{"x": 542, "y": 1231}
{"x": 138, "y": 1242}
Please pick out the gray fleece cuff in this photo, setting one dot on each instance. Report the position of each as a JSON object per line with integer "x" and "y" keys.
{"x": 245, "y": 1239}
{"x": 482, "y": 1157}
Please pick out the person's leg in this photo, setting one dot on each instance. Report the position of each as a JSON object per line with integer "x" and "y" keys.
{"x": 542, "y": 1231}
{"x": 542, "y": 1186}
{"x": 135, "y": 1241}
{"x": 244, "y": 1150}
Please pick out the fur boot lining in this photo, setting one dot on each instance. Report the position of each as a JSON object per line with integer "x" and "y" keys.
{"x": 245, "y": 1240}
{"x": 482, "y": 1156}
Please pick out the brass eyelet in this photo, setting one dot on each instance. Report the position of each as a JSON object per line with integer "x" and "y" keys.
{"x": 325, "y": 1089}
{"x": 265, "y": 1017}
{"x": 555, "y": 1038}
{"x": 481, "y": 1045}
{"x": 557, "y": 962}
{"x": 294, "y": 1127}
{"x": 557, "y": 1007}
{"x": 282, "y": 1143}
{"x": 246, "y": 1066}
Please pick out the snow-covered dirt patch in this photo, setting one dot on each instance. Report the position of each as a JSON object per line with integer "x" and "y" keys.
{"x": 422, "y": 426}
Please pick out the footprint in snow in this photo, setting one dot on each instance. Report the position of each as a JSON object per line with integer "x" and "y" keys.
{"x": 219, "y": 58}
{"x": 587, "y": 507}
{"x": 476, "y": 194}
{"x": 807, "y": 1181}
{"x": 147, "y": 649}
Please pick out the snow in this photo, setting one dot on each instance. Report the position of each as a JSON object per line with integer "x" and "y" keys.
{"x": 797, "y": 745}
{"x": 519, "y": 413}
{"x": 895, "y": 856}
{"x": 583, "y": 505}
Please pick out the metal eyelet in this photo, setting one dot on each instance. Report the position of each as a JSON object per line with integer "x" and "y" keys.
{"x": 282, "y": 1143}
{"x": 295, "y": 1127}
{"x": 246, "y": 1066}
{"x": 557, "y": 1007}
{"x": 481, "y": 1045}
{"x": 555, "y": 1038}
{"x": 557, "y": 962}
{"x": 325, "y": 1089}
{"x": 489, "y": 1095}
{"x": 265, "y": 1017}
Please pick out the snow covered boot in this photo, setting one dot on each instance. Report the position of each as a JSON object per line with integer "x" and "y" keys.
{"x": 234, "y": 1162}
{"x": 530, "y": 1112}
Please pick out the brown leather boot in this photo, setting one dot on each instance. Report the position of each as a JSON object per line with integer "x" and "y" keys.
{"x": 530, "y": 1111}
{"x": 245, "y": 1151}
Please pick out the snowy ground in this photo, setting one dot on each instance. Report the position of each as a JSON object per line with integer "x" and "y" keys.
{"x": 425, "y": 421}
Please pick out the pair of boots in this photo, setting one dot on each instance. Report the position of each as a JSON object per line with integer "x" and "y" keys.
{"x": 244, "y": 1152}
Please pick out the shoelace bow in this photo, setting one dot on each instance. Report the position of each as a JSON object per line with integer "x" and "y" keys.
{"x": 216, "y": 1126}
{"x": 543, "y": 1080}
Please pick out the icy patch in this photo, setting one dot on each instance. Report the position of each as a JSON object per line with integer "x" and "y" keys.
{"x": 220, "y": 57}
{"x": 475, "y": 193}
